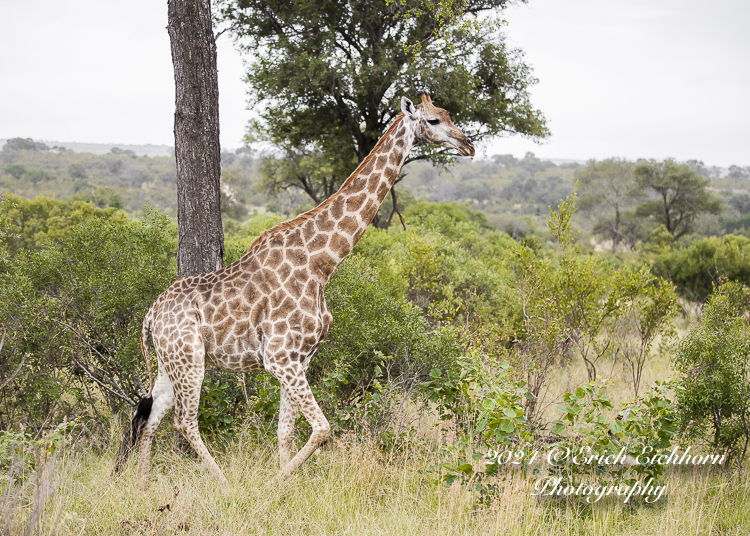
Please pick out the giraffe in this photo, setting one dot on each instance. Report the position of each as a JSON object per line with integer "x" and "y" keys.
{"x": 267, "y": 310}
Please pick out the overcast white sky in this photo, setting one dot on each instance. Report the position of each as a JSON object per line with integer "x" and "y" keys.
{"x": 634, "y": 78}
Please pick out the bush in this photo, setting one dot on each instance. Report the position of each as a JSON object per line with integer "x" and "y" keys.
{"x": 73, "y": 310}
{"x": 452, "y": 270}
{"x": 643, "y": 428}
{"x": 714, "y": 358}
{"x": 32, "y": 221}
{"x": 576, "y": 304}
{"x": 373, "y": 329}
{"x": 695, "y": 270}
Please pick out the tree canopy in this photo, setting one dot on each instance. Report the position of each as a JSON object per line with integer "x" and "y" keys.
{"x": 327, "y": 76}
{"x": 607, "y": 188}
{"x": 24, "y": 144}
{"x": 682, "y": 195}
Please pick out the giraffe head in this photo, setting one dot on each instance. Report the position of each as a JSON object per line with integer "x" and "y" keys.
{"x": 434, "y": 125}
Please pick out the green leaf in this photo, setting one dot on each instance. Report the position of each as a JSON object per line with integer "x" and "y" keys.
{"x": 489, "y": 404}
{"x": 507, "y": 426}
{"x": 466, "y": 468}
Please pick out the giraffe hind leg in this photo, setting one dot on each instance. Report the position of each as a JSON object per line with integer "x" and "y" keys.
{"x": 133, "y": 432}
{"x": 163, "y": 399}
{"x": 187, "y": 394}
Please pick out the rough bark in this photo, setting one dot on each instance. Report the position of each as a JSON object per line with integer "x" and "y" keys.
{"x": 196, "y": 132}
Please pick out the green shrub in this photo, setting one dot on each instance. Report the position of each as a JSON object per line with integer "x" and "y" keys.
{"x": 32, "y": 221}
{"x": 73, "y": 311}
{"x": 641, "y": 430}
{"x": 714, "y": 358}
{"x": 458, "y": 280}
{"x": 371, "y": 328}
{"x": 695, "y": 270}
{"x": 485, "y": 408}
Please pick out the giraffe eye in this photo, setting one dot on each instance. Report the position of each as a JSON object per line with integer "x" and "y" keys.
{"x": 433, "y": 121}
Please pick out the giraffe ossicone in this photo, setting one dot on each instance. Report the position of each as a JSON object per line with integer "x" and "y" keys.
{"x": 267, "y": 310}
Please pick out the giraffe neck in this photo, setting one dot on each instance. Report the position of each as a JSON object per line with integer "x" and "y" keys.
{"x": 343, "y": 218}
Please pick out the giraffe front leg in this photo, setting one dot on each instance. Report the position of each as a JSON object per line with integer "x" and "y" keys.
{"x": 293, "y": 381}
{"x": 287, "y": 415}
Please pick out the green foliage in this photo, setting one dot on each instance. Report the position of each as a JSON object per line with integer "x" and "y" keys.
{"x": 447, "y": 18}
{"x": 659, "y": 240}
{"x": 16, "y": 171}
{"x": 607, "y": 190}
{"x": 681, "y": 195}
{"x": 485, "y": 408}
{"x": 376, "y": 411}
{"x": 739, "y": 225}
{"x": 36, "y": 176}
{"x": 445, "y": 216}
{"x": 264, "y": 401}
{"x": 698, "y": 268}
{"x": 447, "y": 263}
{"x": 369, "y": 323}
{"x": 221, "y": 404}
{"x": 575, "y": 303}
{"x": 645, "y": 309}
{"x": 328, "y": 78}
{"x": 73, "y": 310}
{"x": 641, "y": 430}
{"x": 714, "y": 358}
{"x": 34, "y": 221}
{"x": 479, "y": 398}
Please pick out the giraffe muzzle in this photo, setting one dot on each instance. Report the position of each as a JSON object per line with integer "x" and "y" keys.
{"x": 465, "y": 147}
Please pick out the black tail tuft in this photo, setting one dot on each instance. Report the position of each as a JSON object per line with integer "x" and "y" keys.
{"x": 132, "y": 432}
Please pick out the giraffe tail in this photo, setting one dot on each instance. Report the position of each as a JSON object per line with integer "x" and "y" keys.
{"x": 143, "y": 409}
{"x": 145, "y": 332}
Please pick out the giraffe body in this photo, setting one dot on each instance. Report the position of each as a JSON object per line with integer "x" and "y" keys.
{"x": 267, "y": 310}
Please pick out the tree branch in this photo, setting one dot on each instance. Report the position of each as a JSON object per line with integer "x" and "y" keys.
{"x": 123, "y": 396}
{"x": 15, "y": 372}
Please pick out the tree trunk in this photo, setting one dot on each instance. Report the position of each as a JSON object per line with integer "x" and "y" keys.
{"x": 196, "y": 131}
{"x": 616, "y": 234}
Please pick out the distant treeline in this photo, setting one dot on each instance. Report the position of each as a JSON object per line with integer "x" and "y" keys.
{"x": 514, "y": 193}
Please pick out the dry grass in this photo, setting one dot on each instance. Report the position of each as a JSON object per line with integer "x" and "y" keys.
{"x": 354, "y": 489}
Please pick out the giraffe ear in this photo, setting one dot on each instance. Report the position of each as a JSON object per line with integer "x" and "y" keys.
{"x": 407, "y": 107}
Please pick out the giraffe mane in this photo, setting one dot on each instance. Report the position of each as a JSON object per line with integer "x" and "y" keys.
{"x": 294, "y": 222}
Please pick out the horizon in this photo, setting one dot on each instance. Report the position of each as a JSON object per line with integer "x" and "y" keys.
{"x": 557, "y": 160}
